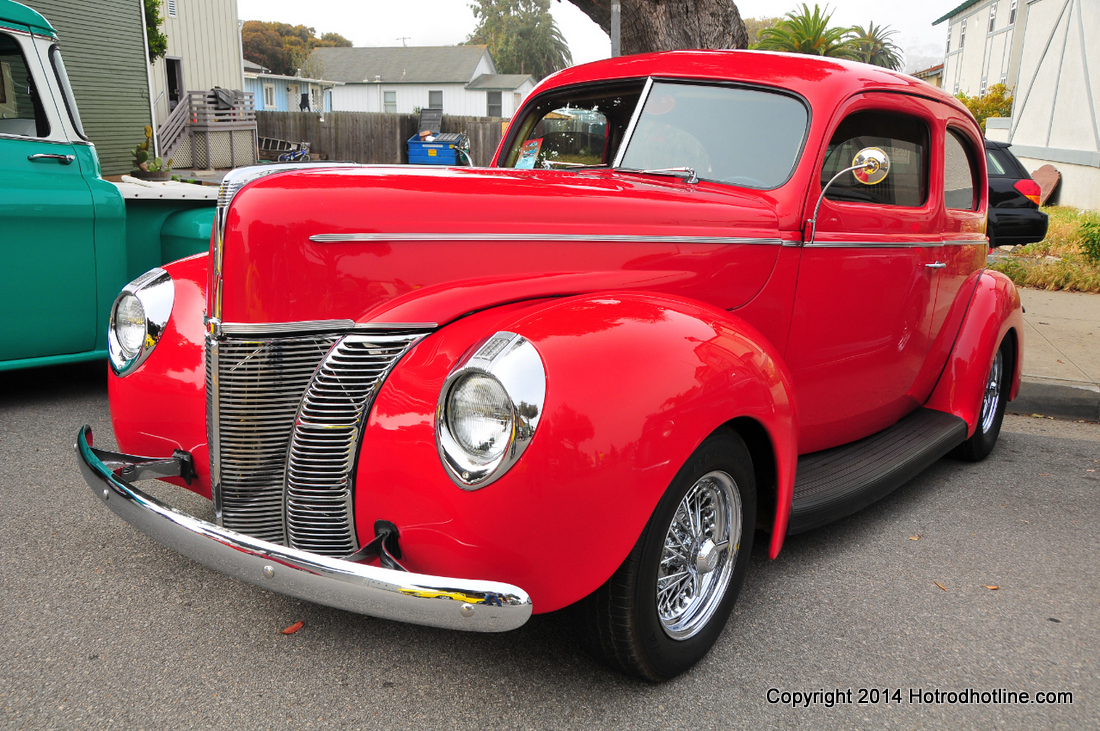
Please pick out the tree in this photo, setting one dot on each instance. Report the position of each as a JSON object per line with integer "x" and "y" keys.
{"x": 873, "y": 45}
{"x": 659, "y": 25}
{"x": 996, "y": 102}
{"x": 158, "y": 42}
{"x": 285, "y": 48}
{"x": 521, "y": 35}
{"x": 754, "y": 26}
{"x": 808, "y": 32}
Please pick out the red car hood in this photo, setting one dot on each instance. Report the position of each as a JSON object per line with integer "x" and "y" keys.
{"x": 401, "y": 244}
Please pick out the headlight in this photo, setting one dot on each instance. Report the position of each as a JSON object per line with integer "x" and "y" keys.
{"x": 138, "y": 318}
{"x": 489, "y": 408}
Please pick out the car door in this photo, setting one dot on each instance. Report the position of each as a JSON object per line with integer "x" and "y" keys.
{"x": 48, "y": 285}
{"x": 867, "y": 281}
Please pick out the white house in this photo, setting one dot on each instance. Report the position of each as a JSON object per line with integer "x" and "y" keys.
{"x": 461, "y": 80}
{"x": 1042, "y": 51}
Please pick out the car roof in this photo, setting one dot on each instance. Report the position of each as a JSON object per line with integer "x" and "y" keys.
{"x": 16, "y": 13}
{"x": 814, "y": 77}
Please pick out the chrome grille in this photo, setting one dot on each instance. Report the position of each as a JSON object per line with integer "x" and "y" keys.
{"x": 284, "y": 416}
{"x": 254, "y": 387}
{"x": 320, "y": 471}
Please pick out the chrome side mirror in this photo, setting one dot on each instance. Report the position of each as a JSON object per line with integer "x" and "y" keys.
{"x": 870, "y": 167}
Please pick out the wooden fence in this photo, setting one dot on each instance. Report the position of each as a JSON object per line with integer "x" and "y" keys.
{"x": 370, "y": 137}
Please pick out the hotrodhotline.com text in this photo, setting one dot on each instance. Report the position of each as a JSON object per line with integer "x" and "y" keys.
{"x": 913, "y": 696}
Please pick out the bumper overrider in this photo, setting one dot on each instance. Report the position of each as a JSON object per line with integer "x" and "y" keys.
{"x": 437, "y": 601}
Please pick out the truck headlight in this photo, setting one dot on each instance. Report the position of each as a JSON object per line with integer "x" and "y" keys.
{"x": 138, "y": 319}
{"x": 489, "y": 408}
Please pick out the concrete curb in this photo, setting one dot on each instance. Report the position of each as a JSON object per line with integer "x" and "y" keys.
{"x": 1064, "y": 400}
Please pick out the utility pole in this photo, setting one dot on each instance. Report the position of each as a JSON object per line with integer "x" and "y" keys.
{"x": 616, "y": 11}
{"x": 403, "y": 39}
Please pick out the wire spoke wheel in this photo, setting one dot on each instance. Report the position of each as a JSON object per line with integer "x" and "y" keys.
{"x": 700, "y": 550}
{"x": 992, "y": 397}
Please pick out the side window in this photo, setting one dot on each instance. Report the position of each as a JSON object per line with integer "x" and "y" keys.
{"x": 903, "y": 138}
{"x": 993, "y": 165}
{"x": 21, "y": 110}
{"x": 958, "y": 175}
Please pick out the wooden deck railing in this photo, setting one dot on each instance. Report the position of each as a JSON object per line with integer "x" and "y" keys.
{"x": 202, "y": 112}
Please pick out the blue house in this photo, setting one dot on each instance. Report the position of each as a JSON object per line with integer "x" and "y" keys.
{"x": 279, "y": 93}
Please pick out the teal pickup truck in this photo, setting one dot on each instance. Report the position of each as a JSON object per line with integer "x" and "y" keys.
{"x": 69, "y": 239}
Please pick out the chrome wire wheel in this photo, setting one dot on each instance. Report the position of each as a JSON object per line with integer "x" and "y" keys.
{"x": 992, "y": 394}
{"x": 700, "y": 550}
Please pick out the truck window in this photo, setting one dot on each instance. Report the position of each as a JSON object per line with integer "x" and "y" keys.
{"x": 958, "y": 175}
{"x": 66, "y": 90}
{"x": 21, "y": 112}
{"x": 903, "y": 138}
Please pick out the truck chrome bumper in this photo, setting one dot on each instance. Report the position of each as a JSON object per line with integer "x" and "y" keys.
{"x": 437, "y": 601}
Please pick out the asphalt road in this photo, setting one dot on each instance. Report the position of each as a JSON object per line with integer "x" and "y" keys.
{"x": 102, "y": 628}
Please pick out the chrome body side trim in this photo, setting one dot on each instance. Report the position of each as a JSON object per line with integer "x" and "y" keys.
{"x": 890, "y": 244}
{"x": 515, "y": 363}
{"x": 581, "y": 238}
{"x": 437, "y": 601}
{"x": 157, "y": 294}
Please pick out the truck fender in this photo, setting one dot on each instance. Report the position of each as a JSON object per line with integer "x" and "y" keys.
{"x": 635, "y": 383}
{"x": 994, "y": 314}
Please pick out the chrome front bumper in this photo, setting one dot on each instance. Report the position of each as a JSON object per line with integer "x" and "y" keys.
{"x": 437, "y": 601}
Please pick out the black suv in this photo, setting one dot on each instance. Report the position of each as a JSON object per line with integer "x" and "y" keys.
{"x": 1014, "y": 215}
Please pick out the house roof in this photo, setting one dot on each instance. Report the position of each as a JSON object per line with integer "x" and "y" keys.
{"x": 401, "y": 65}
{"x": 254, "y": 68}
{"x": 957, "y": 10}
{"x": 928, "y": 72}
{"x": 503, "y": 82}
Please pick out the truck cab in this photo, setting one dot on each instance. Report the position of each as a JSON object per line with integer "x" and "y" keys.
{"x": 65, "y": 244}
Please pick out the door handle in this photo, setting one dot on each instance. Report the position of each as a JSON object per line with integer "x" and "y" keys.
{"x": 937, "y": 265}
{"x": 63, "y": 159}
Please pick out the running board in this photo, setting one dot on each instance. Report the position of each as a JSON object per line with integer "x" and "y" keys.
{"x": 836, "y": 482}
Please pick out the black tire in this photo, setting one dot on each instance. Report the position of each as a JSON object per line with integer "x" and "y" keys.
{"x": 992, "y": 413}
{"x": 622, "y": 623}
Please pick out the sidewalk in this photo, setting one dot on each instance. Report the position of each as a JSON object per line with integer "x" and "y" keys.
{"x": 1061, "y": 373}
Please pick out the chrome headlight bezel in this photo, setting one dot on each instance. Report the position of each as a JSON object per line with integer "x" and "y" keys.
{"x": 513, "y": 362}
{"x": 156, "y": 293}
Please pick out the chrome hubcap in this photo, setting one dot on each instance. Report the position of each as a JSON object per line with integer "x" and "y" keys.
{"x": 992, "y": 394}
{"x": 699, "y": 553}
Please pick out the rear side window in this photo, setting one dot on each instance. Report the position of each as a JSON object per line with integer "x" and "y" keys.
{"x": 993, "y": 165}
{"x": 21, "y": 112}
{"x": 903, "y": 138}
{"x": 959, "y": 175}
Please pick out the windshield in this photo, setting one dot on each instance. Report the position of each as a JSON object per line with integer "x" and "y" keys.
{"x": 66, "y": 90}
{"x": 575, "y": 128}
{"x": 734, "y": 135}
{"x": 739, "y": 136}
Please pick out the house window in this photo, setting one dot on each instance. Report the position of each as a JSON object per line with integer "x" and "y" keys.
{"x": 981, "y": 89}
{"x": 992, "y": 17}
{"x": 269, "y": 96}
{"x": 962, "y": 35}
{"x": 389, "y": 101}
{"x": 948, "y": 43}
{"x": 492, "y": 104}
{"x": 1004, "y": 78}
{"x": 435, "y": 99}
{"x": 171, "y": 5}
{"x": 1012, "y": 13}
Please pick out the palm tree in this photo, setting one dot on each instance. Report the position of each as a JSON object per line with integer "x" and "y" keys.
{"x": 807, "y": 32}
{"x": 874, "y": 46}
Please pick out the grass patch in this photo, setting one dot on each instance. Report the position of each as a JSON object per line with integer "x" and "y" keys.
{"x": 1072, "y": 237}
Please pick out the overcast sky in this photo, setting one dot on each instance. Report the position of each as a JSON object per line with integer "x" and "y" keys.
{"x": 448, "y": 22}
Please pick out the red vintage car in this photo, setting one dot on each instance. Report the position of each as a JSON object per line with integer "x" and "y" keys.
{"x": 698, "y": 294}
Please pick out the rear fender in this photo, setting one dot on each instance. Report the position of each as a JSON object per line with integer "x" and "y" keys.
{"x": 635, "y": 382}
{"x": 995, "y": 313}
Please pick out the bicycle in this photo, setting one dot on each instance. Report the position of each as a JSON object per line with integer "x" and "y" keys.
{"x": 299, "y": 155}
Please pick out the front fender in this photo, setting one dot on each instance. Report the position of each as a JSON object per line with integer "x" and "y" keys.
{"x": 635, "y": 382}
{"x": 994, "y": 313}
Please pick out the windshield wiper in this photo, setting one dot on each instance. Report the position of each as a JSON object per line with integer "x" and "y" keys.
{"x": 687, "y": 173}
